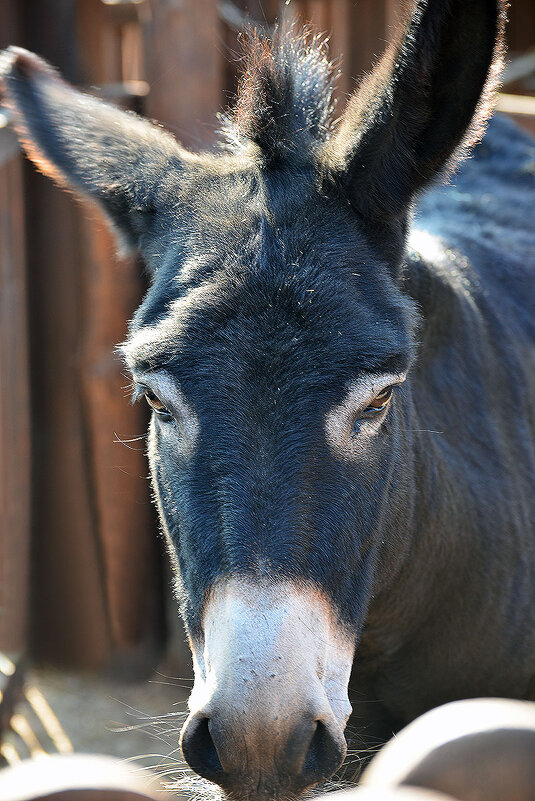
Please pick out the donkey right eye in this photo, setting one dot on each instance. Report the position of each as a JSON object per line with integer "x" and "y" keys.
{"x": 157, "y": 406}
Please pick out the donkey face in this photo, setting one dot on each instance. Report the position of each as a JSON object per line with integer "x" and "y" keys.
{"x": 271, "y": 367}
{"x": 273, "y": 347}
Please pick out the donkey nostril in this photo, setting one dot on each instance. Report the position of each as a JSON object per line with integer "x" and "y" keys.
{"x": 310, "y": 755}
{"x": 325, "y": 754}
{"x": 198, "y": 748}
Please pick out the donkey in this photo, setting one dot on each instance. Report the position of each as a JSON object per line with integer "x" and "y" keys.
{"x": 340, "y": 369}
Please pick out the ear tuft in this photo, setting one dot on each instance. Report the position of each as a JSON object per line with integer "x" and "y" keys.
{"x": 284, "y": 102}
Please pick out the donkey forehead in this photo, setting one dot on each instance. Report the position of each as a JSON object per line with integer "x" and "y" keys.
{"x": 280, "y": 279}
{"x": 252, "y": 218}
{"x": 270, "y": 320}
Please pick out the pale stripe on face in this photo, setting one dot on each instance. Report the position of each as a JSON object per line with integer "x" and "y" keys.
{"x": 343, "y": 438}
{"x": 186, "y": 422}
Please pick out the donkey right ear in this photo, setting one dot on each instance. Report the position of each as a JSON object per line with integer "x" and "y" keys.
{"x": 111, "y": 156}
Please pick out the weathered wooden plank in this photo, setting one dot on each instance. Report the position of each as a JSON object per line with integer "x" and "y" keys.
{"x": 183, "y": 67}
{"x": 14, "y": 403}
{"x": 111, "y": 289}
{"x": 340, "y": 43}
{"x": 99, "y": 52}
{"x": 70, "y": 624}
{"x": 97, "y": 587}
{"x": 70, "y": 618}
{"x": 126, "y": 528}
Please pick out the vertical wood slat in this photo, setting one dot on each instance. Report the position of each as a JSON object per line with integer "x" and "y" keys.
{"x": 340, "y": 46}
{"x": 69, "y": 613}
{"x": 70, "y": 624}
{"x": 125, "y": 523}
{"x": 111, "y": 291}
{"x": 183, "y": 62}
{"x": 14, "y": 403}
{"x": 98, "y": 44}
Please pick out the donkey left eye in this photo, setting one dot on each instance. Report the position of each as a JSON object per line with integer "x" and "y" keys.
{"x": 380, "y": 401}
{"x": 157, "y": 406}
{"x": 378, "y": 405}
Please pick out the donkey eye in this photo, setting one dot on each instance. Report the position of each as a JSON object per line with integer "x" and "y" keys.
{"x": 157, "y": 406}
{"x": 380, "y": 401}
{"x": 379, "y": 404}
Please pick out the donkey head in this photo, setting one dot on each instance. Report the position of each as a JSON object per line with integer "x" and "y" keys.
{"x": 273, "y": 346}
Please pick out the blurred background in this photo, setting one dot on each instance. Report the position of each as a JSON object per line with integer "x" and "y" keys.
{"x": 86, "y": 608}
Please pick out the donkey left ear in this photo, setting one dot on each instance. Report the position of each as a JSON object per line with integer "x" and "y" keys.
{"x": 427, "y": 98}
{"x": 111, "y": 156}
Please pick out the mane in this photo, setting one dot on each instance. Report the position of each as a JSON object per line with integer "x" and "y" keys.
{"x": 285, "y": 97}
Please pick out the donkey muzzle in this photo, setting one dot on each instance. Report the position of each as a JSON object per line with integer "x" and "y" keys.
{"x": 270, "y": 704}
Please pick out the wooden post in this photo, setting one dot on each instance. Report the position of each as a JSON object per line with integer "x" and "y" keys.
{"x": 117, "y": 468}
{"x": 70, "y": 620}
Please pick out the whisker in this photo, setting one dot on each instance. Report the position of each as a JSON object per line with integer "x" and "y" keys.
{"x": 171, "y": 684}
{"x": 125, "y": 442}
{"x": 175, "y": 678}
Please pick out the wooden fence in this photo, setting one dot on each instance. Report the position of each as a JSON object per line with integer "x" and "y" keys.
{"x": 97, "y": 593}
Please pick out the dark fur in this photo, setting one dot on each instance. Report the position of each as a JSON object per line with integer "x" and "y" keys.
{"x": 280, "y": 273}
